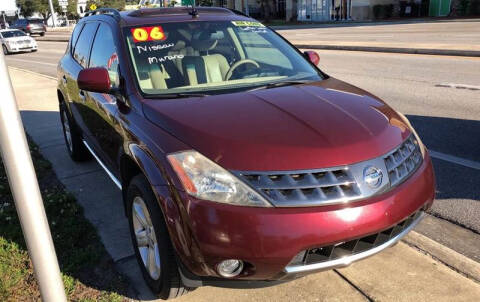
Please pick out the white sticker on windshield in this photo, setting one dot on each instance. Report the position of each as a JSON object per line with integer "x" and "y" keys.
{"x": 157, "y": 60}
{"x": 247, "y": 24}
{"x": 150, "y": 48}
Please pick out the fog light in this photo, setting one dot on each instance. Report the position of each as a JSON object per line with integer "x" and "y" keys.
{"x": 230, "y": 268}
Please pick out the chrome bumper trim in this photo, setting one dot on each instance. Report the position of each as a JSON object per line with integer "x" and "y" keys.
{"x": 345, "y": 261}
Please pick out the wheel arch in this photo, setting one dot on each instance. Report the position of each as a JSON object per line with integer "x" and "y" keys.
{"x": 138, "y": 161}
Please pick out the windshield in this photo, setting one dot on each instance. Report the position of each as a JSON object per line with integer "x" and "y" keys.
{"x": 212, "y": 57}
{"x": 12, "y": 33}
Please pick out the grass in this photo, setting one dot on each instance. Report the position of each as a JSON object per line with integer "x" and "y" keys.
{"x": 87, "y": 270}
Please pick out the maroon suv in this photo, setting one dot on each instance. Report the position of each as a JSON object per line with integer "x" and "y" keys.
{"x": 240, "y": 162}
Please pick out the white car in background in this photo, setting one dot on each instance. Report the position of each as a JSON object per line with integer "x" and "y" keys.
{"x": 14, "y": 40}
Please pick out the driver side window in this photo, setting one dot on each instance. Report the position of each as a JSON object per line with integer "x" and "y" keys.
{"x": 104, "y": 53}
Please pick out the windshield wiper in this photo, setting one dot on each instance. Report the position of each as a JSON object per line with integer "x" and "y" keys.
{"x": 175, "y": 95}
{"x": 278, "y": 84}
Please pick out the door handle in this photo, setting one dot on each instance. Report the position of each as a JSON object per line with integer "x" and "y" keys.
{"x": 64, "y": 80}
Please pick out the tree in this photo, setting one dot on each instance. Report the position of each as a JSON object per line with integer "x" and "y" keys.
{"x": 72, "y": 12}
{"x": 44, "y": 8}
{"x": 28, "y": 7}
{"x": 117, "y": 4}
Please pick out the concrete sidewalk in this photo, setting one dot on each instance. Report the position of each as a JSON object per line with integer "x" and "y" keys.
{"x": 397, "y": 274}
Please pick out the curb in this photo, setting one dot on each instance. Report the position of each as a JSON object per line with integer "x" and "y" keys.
{"x": 32, "y": 72}
{"x": 418, "y": 51}
{"x": 447, "y": 256}
{"x": 53, "y": 39}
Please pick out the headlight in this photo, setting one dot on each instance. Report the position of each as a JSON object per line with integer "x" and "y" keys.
{"x": 206, "y": 180}
{"x": 419, "y": 141}
{"x": 11, "y": 42}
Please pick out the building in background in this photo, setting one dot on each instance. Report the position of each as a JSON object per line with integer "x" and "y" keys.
{"x": 8, "y": 11}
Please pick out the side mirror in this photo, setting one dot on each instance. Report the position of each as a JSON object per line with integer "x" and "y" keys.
{"x": 312, "y": 56}
{"x": 94, "y": 79}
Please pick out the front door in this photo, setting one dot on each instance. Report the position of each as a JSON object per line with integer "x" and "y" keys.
{"x": 100, "y": 108}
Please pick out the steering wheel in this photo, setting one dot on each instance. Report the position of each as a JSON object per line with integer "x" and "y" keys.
{"x": 229, "y": 73}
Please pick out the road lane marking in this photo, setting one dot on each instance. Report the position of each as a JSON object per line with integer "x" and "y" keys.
{"x": 458, "y": 86}
{"x": 456, "y": 160}
{"x": 30, "y": 61}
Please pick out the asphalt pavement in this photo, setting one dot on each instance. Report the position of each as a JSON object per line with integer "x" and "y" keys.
{"x": 443, "y": 35}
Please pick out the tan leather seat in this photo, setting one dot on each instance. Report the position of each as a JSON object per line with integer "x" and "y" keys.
{"x": 205, "y": 68}
{"x": 180, "y": 48}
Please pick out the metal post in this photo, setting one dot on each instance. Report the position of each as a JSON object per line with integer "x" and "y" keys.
{"x": 28, "y": 201}
{"x": 246, "y": 8}
{"x": 50, "y": 3}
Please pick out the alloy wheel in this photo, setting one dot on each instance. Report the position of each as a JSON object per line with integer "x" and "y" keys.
{"x": 147, "y": 243}
{"x": 5, "y": 50}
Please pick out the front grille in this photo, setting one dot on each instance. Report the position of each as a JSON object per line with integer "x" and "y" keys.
{"x": 305, "y": 187}
{"x": 352, "y": 247}
{"x": 327, "y": 186}
{"x": 403, "y": 161}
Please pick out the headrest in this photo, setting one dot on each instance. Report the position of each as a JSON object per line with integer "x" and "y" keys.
{"x": 179, "y": 45}
{"x": 204, "y": 41}
{"x": 204, "y": 45}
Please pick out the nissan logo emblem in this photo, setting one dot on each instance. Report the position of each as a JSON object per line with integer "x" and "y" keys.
{"x": 372, "y": 176}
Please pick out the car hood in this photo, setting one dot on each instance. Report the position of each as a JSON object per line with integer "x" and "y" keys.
{"x": 323, "y": 124}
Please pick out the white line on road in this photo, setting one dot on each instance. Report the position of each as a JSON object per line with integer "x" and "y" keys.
{"x": 456, "y": 160}
{"x": 459, "y": 86}
{"x": 30, "y": 61}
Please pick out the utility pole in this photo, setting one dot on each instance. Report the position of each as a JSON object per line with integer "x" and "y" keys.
{"x": 28, "y": 200}
{"x": 50, "y": 3}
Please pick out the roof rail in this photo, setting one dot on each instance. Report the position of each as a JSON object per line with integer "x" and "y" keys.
{"x": 104, "y": 11}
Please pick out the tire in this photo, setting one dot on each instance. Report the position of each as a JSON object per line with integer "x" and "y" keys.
{"x": 42, "y": 34}
{"x": 73, "y": 141}
{"x": 150, "y": 237}
{"x": 5, "y": 50}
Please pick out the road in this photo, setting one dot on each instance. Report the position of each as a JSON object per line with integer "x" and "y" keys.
{"x": 448, "y": 34}
{"x": 441, "y": 97}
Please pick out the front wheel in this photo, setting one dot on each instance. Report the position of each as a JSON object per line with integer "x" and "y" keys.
{"x": 5, "y": 50}
{"x": 153, "y": 248}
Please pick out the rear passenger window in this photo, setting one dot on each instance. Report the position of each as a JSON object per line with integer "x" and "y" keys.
{"x": 84, "y": 43}
{"x": 104, "y": 53}
{"x": 76, "y": 32}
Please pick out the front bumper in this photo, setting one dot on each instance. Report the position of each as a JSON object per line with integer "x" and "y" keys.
{"x": 20, "y": 48}
{"x": 267, "y": 239}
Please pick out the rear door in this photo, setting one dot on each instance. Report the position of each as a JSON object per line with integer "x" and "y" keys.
{"x": 100, "y": 109}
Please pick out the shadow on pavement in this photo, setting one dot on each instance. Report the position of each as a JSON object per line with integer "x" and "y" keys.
{"x": 455, "y": 137}
{"x": 98, "y": 233}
